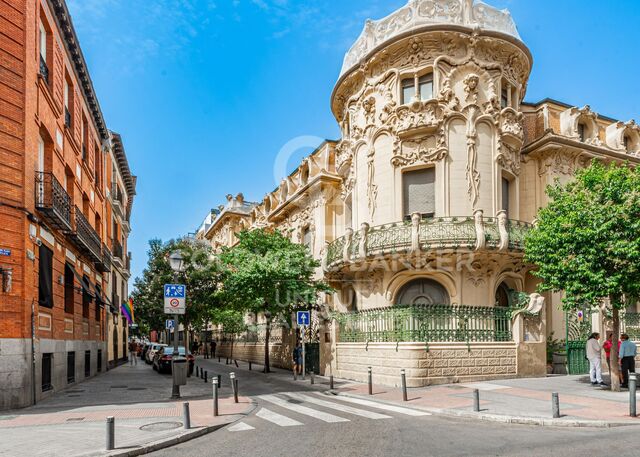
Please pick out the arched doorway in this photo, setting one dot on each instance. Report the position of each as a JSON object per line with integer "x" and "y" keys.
{"x": 422, "y": 291}
{"x": 504, "y": 295}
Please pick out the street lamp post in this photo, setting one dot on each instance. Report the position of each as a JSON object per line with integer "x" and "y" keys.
{"x": 176, "y": 262}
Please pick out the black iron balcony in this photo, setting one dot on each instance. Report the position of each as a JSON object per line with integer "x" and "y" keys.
{"x": 104, "y": 264}
{"x": 118, "y": 252}
{"x": 85, "y": 237}
{"x": 53, "y": 201}
{"x": 44, "y": 70}
{"x": 67, "y": 117}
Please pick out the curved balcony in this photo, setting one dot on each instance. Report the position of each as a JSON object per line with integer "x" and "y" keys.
{"x": 467, "y": 232}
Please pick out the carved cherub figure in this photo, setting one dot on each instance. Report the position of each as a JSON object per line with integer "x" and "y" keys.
{"x": 471, "y": 82}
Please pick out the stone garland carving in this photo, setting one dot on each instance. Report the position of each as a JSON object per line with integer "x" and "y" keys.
{"x": 508, "y": 158}
{"x": 561, "y": 161}
{"x": 511, "y": 123}
{"x": 362, "y": 246}
{"x": 471, "y": 170}
{"x": 418, "y": 150}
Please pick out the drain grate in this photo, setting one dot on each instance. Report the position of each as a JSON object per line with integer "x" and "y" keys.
{"x": 75, "y": 419}
{"x": 161, "y": 426}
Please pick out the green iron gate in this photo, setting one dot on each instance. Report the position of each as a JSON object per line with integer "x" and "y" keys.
{"x": 312, "y": 357}
{"x": 578, "y": 324}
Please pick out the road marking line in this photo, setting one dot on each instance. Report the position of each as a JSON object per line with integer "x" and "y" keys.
{"x": 240, "y": 427}
{"x": 278, "y": 419}
{"x": 384, "y": 406}
{"x": 343, "y": 408}
{"x": 302, "y": 409}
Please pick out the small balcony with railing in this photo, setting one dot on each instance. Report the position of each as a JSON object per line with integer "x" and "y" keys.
{"x": 426, "y": 234}
{"x": 118, "y": 254}
{"x": 52, "y": 201}
{"x": 104, "y": 264}
{"x": 85, "y": 237}
{"x": 117, "y": 199}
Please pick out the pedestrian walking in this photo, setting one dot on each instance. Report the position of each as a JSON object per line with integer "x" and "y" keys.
{"x": 628, "y": 351}
{"x": 297, "y": 358}
{"x": 594, "y": 355}
{"x": 213, "y": 348}
{"x": 133, "y": 352}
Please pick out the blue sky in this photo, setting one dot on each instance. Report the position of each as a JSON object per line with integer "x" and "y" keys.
{"x": 206, "y": 92}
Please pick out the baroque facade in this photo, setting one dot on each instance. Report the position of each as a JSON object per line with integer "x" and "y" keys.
{"x": 418, "y": 212}
{"x": 65, "y": 201}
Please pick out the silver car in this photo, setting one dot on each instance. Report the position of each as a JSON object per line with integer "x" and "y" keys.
{"x": 153, "y": 348}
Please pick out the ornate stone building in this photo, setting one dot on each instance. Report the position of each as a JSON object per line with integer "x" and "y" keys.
{"x": 419, "y": 210}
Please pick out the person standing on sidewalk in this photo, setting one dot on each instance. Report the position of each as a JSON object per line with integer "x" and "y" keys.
{"x": 133, "y": 351}
{"x": 594, "y": 355}
{"x": 297, "y": 358}
{"x": 213, "y": 349}
{"x": 628, "y": 351}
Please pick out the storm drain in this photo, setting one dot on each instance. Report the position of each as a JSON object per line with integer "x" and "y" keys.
{"x": 161, "y": 426}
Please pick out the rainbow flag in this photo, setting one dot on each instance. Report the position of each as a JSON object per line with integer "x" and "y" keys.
{"x": 127, "y": 310}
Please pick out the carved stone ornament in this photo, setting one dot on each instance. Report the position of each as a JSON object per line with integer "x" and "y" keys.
{"x": 624, "y": 137}
{"x": 508, "y": 158}
{"x": 560, "y": 161}
{"x": 427, "y": 149}
{"x": 511, "y": 123}
{"x": 419, "y": 13}
{"x": 570, "y": 120}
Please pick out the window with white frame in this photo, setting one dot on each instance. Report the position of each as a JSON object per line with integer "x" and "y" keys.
{"x": 419, "y": 188}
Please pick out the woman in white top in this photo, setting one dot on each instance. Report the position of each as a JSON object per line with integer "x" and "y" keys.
{"x": 594, "y": 354}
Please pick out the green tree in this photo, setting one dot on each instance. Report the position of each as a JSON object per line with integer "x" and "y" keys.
{"x": 201, "y": 278}
{"x": 586, "y": 243}
{"x": 267, "y": 273}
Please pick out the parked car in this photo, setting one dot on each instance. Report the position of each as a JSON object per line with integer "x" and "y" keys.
{"x": 163, "y": 356}
{"x": 151, "y": 352}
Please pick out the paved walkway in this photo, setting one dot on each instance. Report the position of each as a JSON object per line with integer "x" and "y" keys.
{"x": 72, "y": 422}
{"x": 526, "y": 400}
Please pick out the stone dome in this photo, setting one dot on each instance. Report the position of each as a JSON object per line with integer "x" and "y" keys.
{"x": 420, "y": 14}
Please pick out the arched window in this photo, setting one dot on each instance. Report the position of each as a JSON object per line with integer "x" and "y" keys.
{"x": 422, "y": 292}
{"x": 503, "y": 295}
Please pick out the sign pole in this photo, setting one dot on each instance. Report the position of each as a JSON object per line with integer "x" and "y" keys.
{"x": 304, "y": 352}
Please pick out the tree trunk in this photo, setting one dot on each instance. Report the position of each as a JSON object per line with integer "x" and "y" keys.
{"x": 267, "y": 336}
{"x": 615, "y": 378}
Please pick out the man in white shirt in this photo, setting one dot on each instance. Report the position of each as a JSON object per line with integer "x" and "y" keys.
{"x": 594, "y": 354}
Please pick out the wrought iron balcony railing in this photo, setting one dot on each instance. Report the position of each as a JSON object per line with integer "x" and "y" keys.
{"x": 53, "y": 201}
{"x": 85, "y": 237}
{"x": 631, "y": 325}
{"x": 426, "y": 323}
{"x": 104, "y": 264}
{"x": 44, "y": 70}
{"x": 118, "y": 252}
{"x": 427, "y": 234}
{"x": 67, "y": 117}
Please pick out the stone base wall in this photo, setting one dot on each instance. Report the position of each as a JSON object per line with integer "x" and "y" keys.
{"x": 442, "y": 363}
{"x": 280, "y": 355}
{"x": 16, "y": 370}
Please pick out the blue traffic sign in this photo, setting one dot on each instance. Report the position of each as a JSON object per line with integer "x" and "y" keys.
{"x": 174, "y": 291}
{"x": 169, "y": 324}
{"x": 303, "y": 317}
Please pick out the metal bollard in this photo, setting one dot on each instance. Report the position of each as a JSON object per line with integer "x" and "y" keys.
{"x": 232, "y": 377}
{"x": 236, "y": 362}
{"x": 206, "y": 374}
{"x": 227, "y": 362}
{"x": 215, "y": 382}
{"x": 476, "y": 400}
{"x": 202, "y": 374}
{"x": 556, "y": 405}
{"x": 219, "y": 380}
{"x": 218, "y": 359}
{"x": 235, "y": 390}
{"x": 312, "y": 377}
{"x": 295, "y": 374}
{"x": 111, "y": 432}
{"x": 249, "y": 366}
{"x": 403, "y": 379}
{"x": 370, "y": 381}
{"x": 186, "y": 417}
{"x": 633, "y": 384}
{"x": 197, "y": 371}
{"x": 331, "y": 381}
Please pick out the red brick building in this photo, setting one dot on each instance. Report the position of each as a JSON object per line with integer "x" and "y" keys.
{"x": 57, "y": 164}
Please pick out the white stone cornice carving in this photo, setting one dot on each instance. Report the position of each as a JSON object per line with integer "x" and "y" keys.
{"x": 571, "y": 118}
{"x": 420, "y": 13}
{"x": 618, "y": 131}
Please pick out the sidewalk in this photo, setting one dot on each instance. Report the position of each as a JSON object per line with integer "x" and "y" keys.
{"x": 72, "y": 422}
{"x": 523, "y": 400}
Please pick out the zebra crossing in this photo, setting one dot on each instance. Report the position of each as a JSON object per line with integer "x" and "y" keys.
{"x": 304, "y": 406}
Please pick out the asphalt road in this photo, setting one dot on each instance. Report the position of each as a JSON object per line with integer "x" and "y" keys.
{"x": 294, "y": 420}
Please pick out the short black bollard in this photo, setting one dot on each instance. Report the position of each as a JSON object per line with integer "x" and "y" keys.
{"x": 249, "y": 366}
{"x": 555, "y": 405}
{"x": 197, "y": 371}
{"x": 111, "y": 431}
{"x": 476, "y": 400}
{"x": 227, "y": 362}
{"x": 186, "y": 416}
{"x": 232, "y": 377}
{"x": 370, "y": 376}
{"x": 218, "y": 359}
{"x": 295, "y": 374}
{"x": 331, "y": 381}
{"x": 206, "y": 374}
{"x": 236, "y": 362}
{"x": 202, "y": 374}
{"x": 235, "y": 390}
{"x": 403, "y": 380}
{"x": 312, "y": 377}
{"x": 219, "y": 380}
{"x": 633, "y": 384}
{"x": 215, "y": 383}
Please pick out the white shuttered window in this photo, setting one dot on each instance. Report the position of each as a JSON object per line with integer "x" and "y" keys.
{"x": 419, "y": 188}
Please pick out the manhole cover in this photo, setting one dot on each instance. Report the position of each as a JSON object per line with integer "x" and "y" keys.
{"x": 119, "y": 387}
{"x": 161, "y": 426}
{"x": 75, "y": 419}
{"x": 137, "y": 388}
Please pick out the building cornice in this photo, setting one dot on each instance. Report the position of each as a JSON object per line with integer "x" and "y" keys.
{"x": 320, "y": 178}
{"x": 65, "y": 24}
{"x": 123, "y": 167}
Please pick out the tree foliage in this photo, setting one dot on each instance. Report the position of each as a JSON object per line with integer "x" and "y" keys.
{"x": 586, "y": 242}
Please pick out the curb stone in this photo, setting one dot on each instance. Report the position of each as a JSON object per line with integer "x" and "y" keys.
{"x": 506, "y": 419}
{"x": 195, "y": 432}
